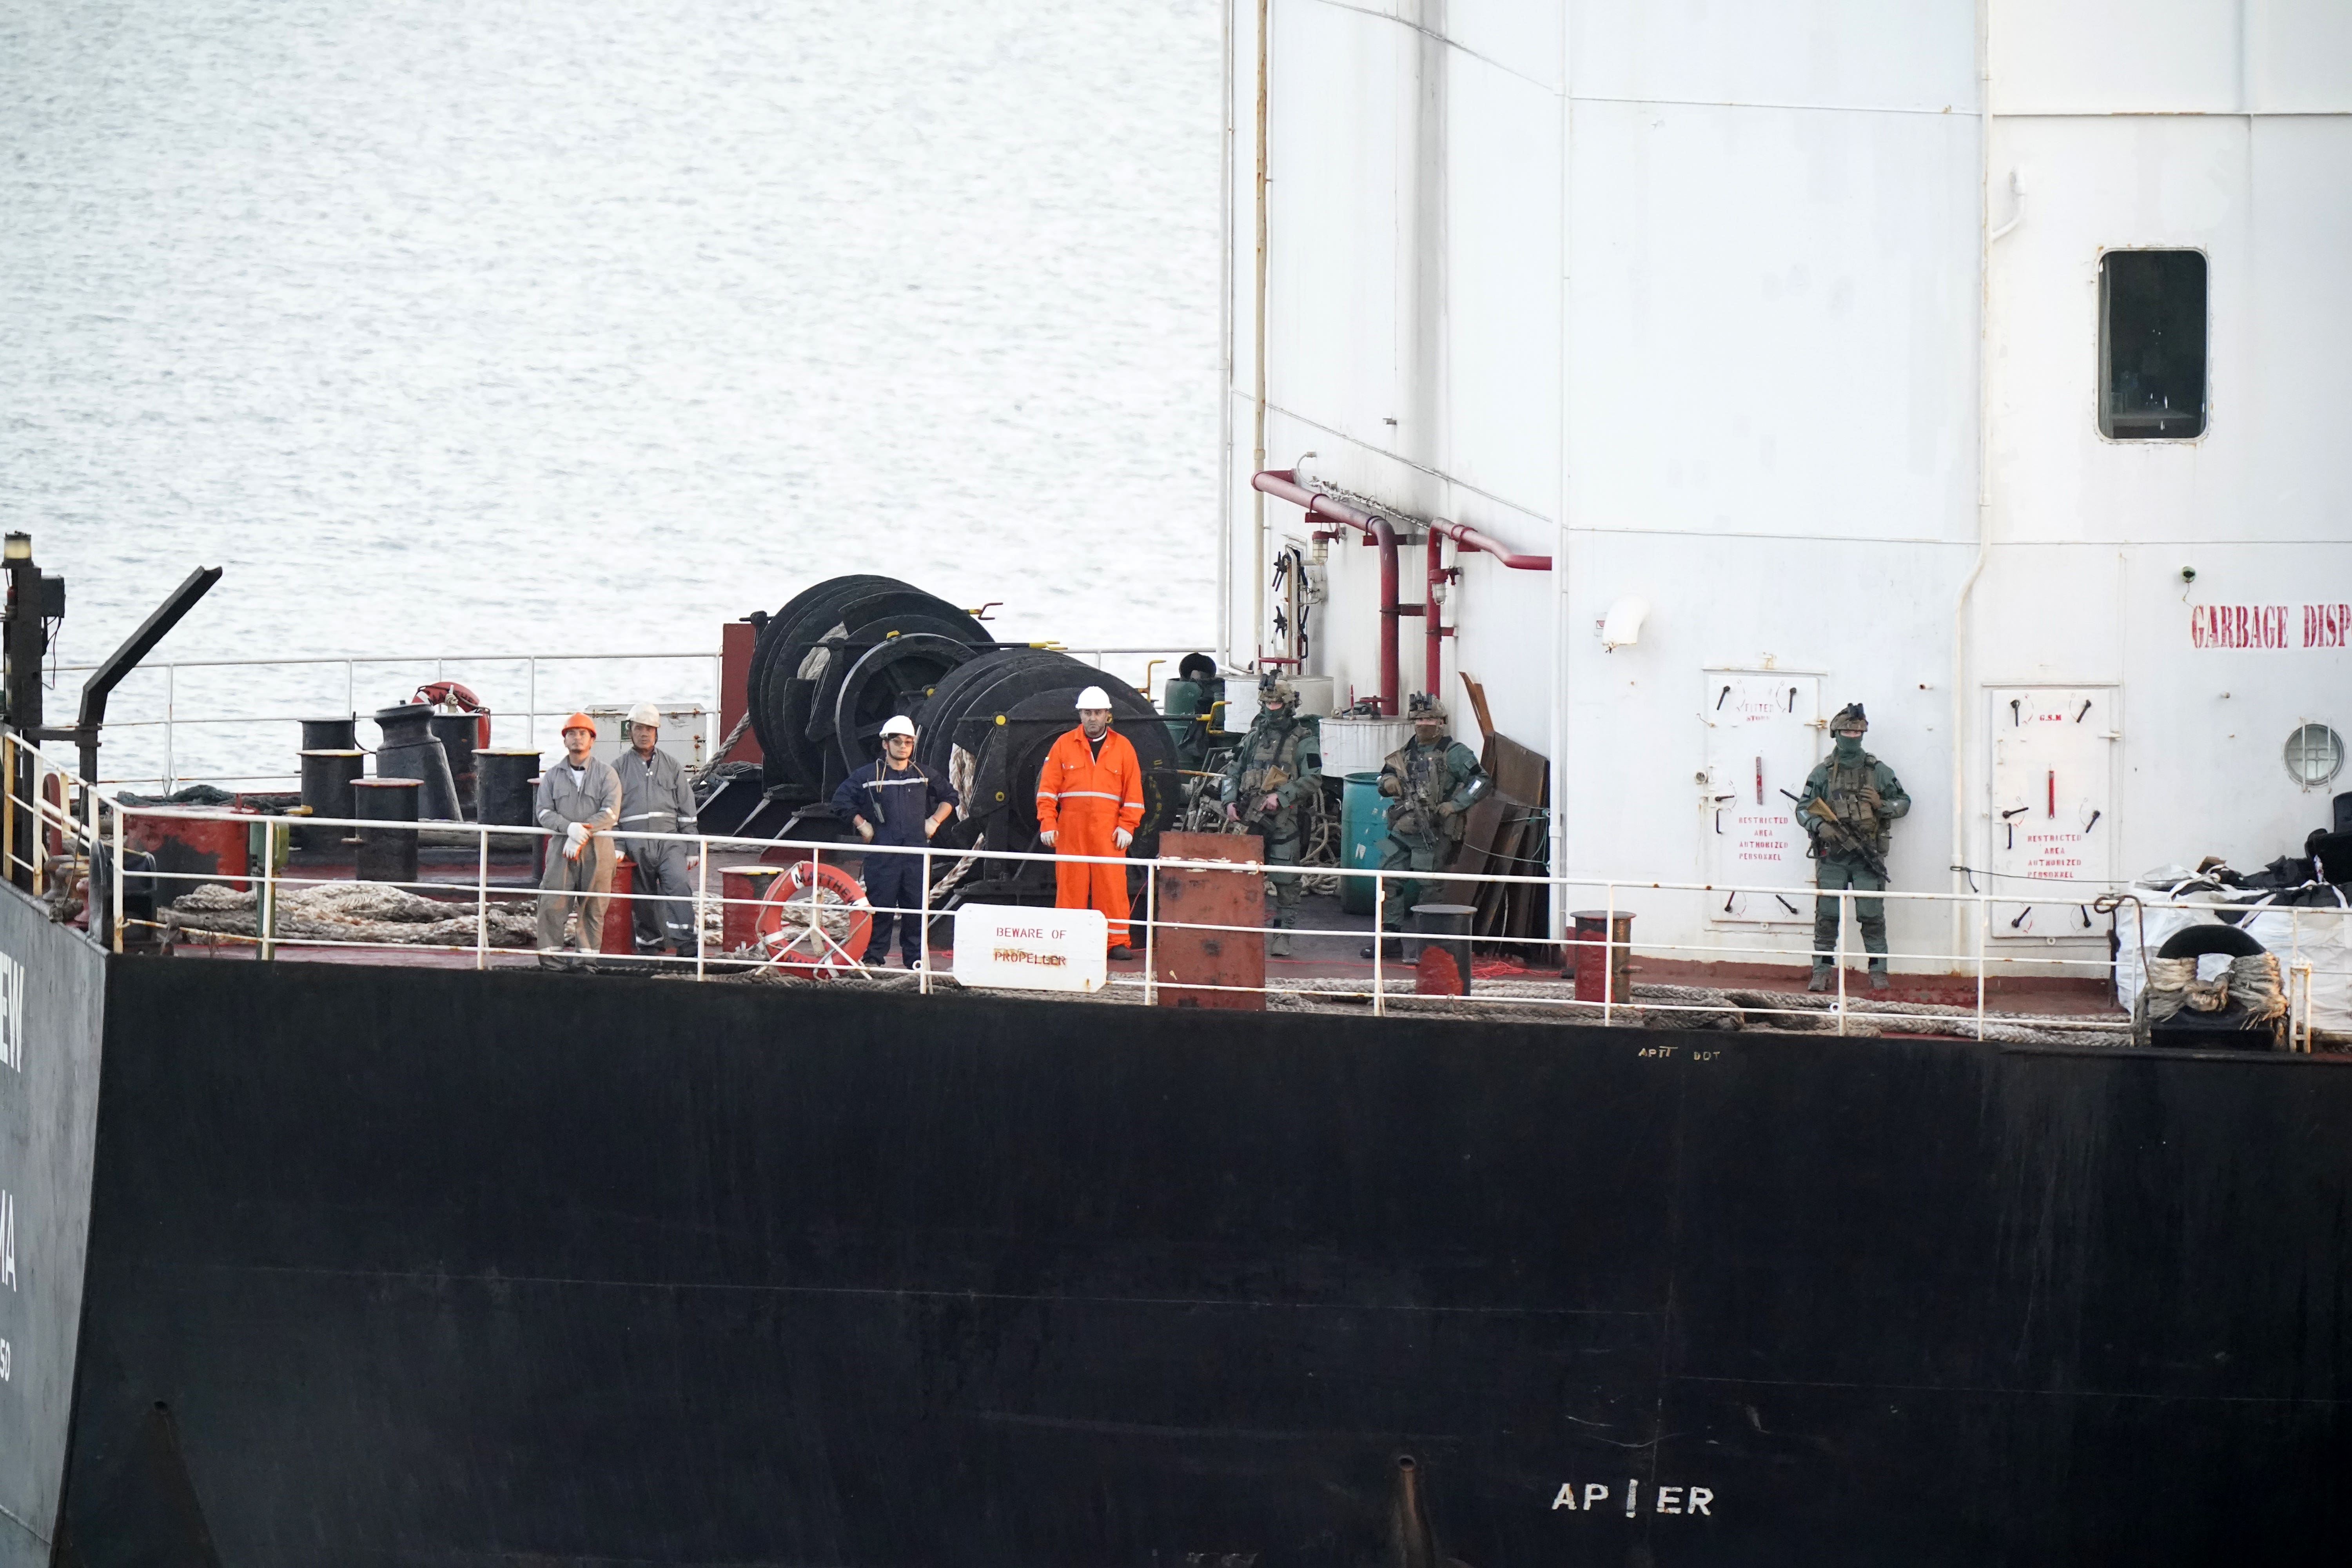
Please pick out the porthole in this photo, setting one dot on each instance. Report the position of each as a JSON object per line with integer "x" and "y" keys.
{"x": 2315, "y": 756}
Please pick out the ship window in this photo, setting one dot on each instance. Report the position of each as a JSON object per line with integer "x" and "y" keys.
{"x": 2315, "y": 756}
{"x": 2152, "y": 345}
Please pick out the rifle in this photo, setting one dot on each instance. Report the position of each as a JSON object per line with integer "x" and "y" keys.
{"x": 1850, "y": 844}
{"x": 1254, "y": 809}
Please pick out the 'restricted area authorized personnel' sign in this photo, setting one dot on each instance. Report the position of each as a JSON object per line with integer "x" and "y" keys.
{"x": 52, "y": 991}
{"x": 1009, "y": 948}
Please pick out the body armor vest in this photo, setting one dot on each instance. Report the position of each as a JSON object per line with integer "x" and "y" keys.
{"x": 1428, "y": 784}
{"x": 1270, "y": 759}
{"x": 1843, "y": 789}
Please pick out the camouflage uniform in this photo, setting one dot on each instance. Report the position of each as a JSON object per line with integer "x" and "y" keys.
{"x": 1281, "y": 757}
{"x": 1842, "y": 780}
{"x": 1433, "y": 785}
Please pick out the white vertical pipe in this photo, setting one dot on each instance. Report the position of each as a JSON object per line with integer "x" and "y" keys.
{"x": 1560, "y": 619}
{"x": 1225, "y": 323}
{"x": 1961, "y": 664}
{"x": 1258, "y": 443}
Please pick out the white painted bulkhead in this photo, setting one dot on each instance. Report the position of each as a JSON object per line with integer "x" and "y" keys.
{"x": 1705, "y": 300}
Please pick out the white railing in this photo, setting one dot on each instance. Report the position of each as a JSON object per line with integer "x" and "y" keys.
{"x": 147, "y": 714}
{"x": 72, "y": 827}
{"x": 469, "y": 669}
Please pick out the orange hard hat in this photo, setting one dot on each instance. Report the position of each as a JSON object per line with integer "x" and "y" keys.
{"x": 581, "y": 722}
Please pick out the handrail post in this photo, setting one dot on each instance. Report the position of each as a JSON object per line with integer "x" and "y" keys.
{"x": 8, "y": 809}
{"x": 1837, "y": 949}
{"x": 701, "y": 898}
{"x": 482, "y": 899}
{"x": 1380, "y": 943}
{"x": 37, "y": 847}
{"x": 922, "y": 924}
{"x": 816, "y": 912}
{"x": 1151, "y": 909}
{"x": 266, "y": 906}
{"x": 2295, "y": 961}
{"x": 1984, "y": 922}
{"x": 122, "y": 871}
{"x": 1609, "y": 960}
{"x": 170, "y": 722}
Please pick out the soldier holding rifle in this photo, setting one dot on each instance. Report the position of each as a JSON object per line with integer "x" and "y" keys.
{"x": 1848, "y": 801}
{"x": 1273, "y": 774}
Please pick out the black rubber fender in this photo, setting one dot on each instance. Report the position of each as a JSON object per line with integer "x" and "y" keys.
{"x": 2197, "y": 940}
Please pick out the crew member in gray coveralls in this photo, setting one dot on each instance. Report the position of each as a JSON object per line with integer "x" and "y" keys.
{"x": 580, "y": 798}
{"x": 654, "y": 798}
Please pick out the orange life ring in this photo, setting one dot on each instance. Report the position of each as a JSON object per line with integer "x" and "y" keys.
{"x": 808, "y": 947}
{"x": 460, "y": 697}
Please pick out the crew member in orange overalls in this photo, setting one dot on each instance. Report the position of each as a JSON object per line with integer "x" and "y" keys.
{"x": 1089, "y": 802}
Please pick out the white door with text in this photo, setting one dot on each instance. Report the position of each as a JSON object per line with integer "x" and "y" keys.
{"x": 1763, "y": 736}
{"x": 2051, "y": 818}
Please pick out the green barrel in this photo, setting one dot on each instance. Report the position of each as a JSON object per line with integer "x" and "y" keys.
{"x": 1363, "y": 826}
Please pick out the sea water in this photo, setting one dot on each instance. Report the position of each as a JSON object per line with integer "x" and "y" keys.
{"x": 468, "y": 327}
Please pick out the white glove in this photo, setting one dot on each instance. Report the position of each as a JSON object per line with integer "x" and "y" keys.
{"x": 865, "y": 830}
{"x": 931, "y": 826}
{"x": 1047, "y": 837}
{"x": 576, "y": 836}
{"x": 1121, "y": 837}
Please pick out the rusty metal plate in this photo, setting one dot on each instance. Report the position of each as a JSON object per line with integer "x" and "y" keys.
{"x": 1185, "y": 957}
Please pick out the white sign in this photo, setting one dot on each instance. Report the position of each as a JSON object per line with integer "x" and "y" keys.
{"x": 1016, "y": 949}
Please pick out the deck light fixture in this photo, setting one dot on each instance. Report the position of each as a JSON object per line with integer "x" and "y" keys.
{"x": 19, "y": 548}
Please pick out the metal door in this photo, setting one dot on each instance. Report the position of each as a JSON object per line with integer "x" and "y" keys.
{"x": 1763, "y": 736}
{"x": 2053, "y": 814}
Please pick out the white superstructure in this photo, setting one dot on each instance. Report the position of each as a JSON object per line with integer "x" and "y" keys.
{"x": 1791, "y": 317}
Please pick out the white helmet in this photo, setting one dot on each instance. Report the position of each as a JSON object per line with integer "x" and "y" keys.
{"x": 1093, "y": 696}
{"x": 646, "y": 713}
{"x": 898, "y": 724}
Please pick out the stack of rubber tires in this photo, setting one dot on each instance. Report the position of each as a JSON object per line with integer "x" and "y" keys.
{"x": 848, "y": 653}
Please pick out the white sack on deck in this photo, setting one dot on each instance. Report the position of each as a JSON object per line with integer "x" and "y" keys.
{"x": 2297, "y": 934}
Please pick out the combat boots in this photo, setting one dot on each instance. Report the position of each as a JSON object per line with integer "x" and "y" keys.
{"x": 1822, "y": 976}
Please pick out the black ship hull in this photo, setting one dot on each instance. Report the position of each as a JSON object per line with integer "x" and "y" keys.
{"x": 398, "y": 1265}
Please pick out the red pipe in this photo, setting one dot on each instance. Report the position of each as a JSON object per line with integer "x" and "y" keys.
{"x": 1469, "y": 538}
{"x": 1283, "y": 484}
{"x": 1432, "y": 676}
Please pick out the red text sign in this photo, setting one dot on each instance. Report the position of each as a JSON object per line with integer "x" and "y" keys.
{"x": 2273, "y": 627}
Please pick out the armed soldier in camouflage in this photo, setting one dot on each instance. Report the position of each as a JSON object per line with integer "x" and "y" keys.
{"x": 1434, "y": 779}
{"x": 1276, "y": 772}
{"x": 1849, "y": 799}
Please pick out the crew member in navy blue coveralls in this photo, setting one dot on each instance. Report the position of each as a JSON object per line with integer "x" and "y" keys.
{"x": 895, "y": 800}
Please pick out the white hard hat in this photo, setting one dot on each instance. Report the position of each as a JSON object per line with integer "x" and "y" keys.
{"x": 646, "y": 713}
{"x": 1093, "y": 696}
{"x": 898, "y": 724}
